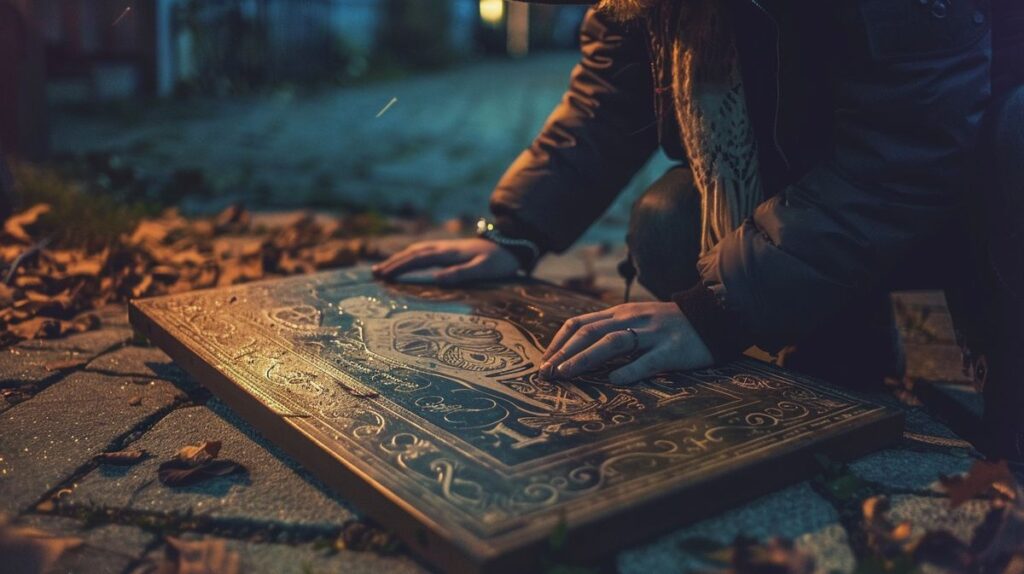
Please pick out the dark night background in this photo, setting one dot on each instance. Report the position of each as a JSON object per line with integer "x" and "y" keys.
{"x": 202, "y": 103}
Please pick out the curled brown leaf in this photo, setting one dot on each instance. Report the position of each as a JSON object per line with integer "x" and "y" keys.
{"x": 178, "y": 473}
{"x": 983, "y": 477}
{"x": 196, "y": 463}
{"x": 201, "y": 453}
{"x": 125, "y": 457}
{"x": 16, "y": 224}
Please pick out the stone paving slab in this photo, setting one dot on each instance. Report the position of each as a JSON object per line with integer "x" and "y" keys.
{"x": 46, "y": 439}
{"x": 275, "y": 491}
{"x": 94, "y": 342}
{"x": 20, "y": 367}
{"x": 34, "y": 363}
{"x": 263, "y": 558}
{"x": 143, "y": 363}
{"x": 927, "y": 513}
{"x": 906, "y": 469}
{"x": 796, "y": 512}
{"x": 107, "y": 549}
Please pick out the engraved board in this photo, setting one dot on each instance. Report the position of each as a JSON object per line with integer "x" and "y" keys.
{"x": 423, "y": 406}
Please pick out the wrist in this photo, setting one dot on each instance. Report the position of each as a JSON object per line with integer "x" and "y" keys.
{"x": 526, "y": 252}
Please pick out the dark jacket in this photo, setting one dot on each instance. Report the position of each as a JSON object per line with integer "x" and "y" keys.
{"x": 866, "y": 113}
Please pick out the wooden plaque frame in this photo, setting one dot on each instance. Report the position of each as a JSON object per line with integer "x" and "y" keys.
{"x": 423, "y": 408}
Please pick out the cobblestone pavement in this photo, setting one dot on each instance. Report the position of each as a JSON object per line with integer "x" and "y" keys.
{"x": 67, "y": 400}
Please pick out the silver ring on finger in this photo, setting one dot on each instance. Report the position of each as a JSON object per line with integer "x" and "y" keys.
{"x": 636, "y": 339}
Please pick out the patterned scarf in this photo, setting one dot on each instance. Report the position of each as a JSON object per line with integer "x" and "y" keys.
{"x": 696, "y": 38}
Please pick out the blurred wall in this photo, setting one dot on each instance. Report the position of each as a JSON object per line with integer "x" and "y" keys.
{"x": 97, "y": 50}
{"x": 23, "y": 129}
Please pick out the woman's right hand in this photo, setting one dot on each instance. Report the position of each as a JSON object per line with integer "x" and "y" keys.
{"x": 460, "y": 260}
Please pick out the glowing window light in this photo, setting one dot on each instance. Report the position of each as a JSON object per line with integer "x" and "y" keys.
{"x": 492, "y": 11}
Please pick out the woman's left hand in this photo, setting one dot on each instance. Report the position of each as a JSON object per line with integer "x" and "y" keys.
{"x": 658, "y": 333}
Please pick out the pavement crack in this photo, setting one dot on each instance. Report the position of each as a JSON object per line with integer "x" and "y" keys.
{"x": 351, "y": 535}
{"x": 27, "y": 391}
{"x": 119, "y": 443}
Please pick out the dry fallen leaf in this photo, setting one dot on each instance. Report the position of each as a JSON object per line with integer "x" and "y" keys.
{"x": 983, "y": 477}
{"x": 234, "y": 218}
{"x": 201, "y": 453}
{"x": 195, "y": 464}
{"x": 37, "y": 328}
{"x": 177, "y": 473}
{"x": 16, "y": 224}
{"x": 126, "y": 457}
{"x": 31, "y": 551}
{"x": 54, "y": 285}
{"x": 884, "y": 538}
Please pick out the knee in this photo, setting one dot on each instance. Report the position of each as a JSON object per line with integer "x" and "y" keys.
{"x": 670, "y": 199}
{"x": 664, "y": 234}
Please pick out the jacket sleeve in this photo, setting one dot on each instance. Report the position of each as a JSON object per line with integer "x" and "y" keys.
{"x": 907, "y": 118}
{"x": 598, "y": 137}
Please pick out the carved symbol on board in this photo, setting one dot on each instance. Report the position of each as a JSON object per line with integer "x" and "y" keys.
{"x": 486, "y": 354}
{"x": 299, "y": 317}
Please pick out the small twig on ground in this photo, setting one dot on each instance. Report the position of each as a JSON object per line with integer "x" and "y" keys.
{"x": 23, "y": 256}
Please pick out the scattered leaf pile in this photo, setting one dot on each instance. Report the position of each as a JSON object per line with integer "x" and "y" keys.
{"x": 194, "y": 464}
{"x": 48, "y": 291}
{"x": 32, "y": 551}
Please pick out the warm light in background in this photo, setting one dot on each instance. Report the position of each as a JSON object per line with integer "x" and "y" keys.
{"x": 492, "y": 11}
{"x": 517, "y": 33}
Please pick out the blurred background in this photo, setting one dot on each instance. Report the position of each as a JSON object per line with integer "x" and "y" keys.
{"x": 399, "y": 107}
